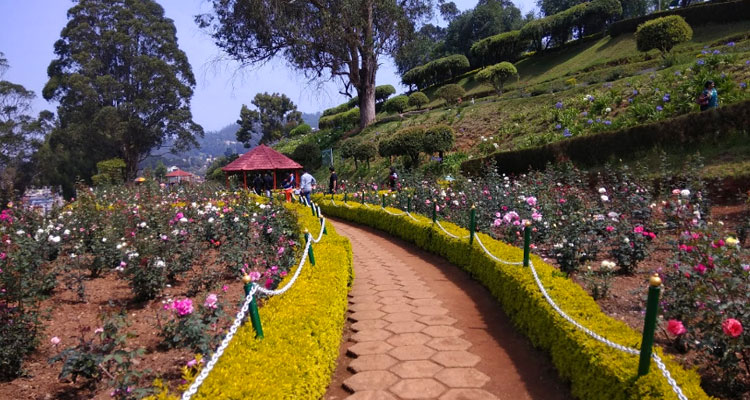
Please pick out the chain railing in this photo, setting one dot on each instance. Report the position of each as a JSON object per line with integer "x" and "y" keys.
{"x": 249, "y": 304}
{"x": 527, "y": 263}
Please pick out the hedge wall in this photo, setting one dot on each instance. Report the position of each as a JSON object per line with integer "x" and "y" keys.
{"x": 302, "y": 328}
{"x": 699, "y": 14}
{"x": 595, "y": 371}
{"x": 343, "y": 120}
{"x": 686, "y": 129}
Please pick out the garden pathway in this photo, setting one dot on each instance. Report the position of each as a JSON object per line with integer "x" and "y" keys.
{"x": 420, "y": 328}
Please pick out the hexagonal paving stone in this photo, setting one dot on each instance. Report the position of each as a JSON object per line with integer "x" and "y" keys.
{"x": 446, "y": 343}
{"x": 420, "y": 294}
{"x": 421, "y": 388}
{"x": 392, "y": 286}
{"x": 437, "y": 320}
{"x": 405, "y": 327}
{"x": 442, "y": 331}
{"x": 408, "y": 339}
{"x": 394, "y": 308}
{"x": 364, "y": 299}
{"x": 372, "y": 362}
{"x": 365, "y": 315}
{"x": 393, "y": 300}
{"x": 426, "y": 302}
{"x": 401, "y": 317}
{"x": 416, "y": 369}
{"x": 391, "y": 293}
{"x": 462, "y": 378}
{"x": 365, "y": 348}
{"x": 365, "y": 306}
{"x": 370, "y": 380}
{"x": 454, "y": 359}
{"x": 406, "y": 353}
{"x": 369, "y": 324}
{"x": 371, "y": 335}
{"x": 468, "y": 394}
{"x": 371, "y": 395}
{"x": 431, "y": 310}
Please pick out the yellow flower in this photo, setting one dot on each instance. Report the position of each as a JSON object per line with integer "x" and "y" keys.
{"x": 732, "y": 241}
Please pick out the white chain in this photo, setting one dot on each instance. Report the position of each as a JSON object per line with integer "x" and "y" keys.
{"x": 392, "y": 213}
{"x": 450, "y": 234}
{"x": 224, "y": 343}
{"x": 479, "y": 241}
{"x": 294, "y": 277}
{"x": 412, "y": 217}
{"x": 670, "y": 380}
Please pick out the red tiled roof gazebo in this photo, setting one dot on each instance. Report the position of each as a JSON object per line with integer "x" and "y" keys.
{"x": 178, "y": 176}
{"x": 261, "y": 158}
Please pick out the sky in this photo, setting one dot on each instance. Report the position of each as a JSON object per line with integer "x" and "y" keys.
{"x": 29, "y": 29}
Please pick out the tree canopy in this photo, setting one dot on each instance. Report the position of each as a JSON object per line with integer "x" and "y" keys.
{"x": 488, "y": 18}
{"x": 275, "y": 117}
{"x": 123, "y": 87}
{"x": 339, "y": 39}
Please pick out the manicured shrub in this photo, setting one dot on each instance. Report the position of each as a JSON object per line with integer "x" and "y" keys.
{"x": 506, "y": 46}
{"x": 397, "y": 104}
{"x": 496, "y": 75}
{"x": 418, "y": 99}
{"x": 307, "y": 154}
{"x": 382, "y": 92}
{"x": 338, "y": 109}
{"x": 438, "y": 138}
{"x": 409, "y": 142}
{"x": 663, "y": 34}
{"x": 386, "y": 146}
{"x": 343, "y": 121}
{"x": 111, "y": 172}
{"x": 435, "y": 72}
{"x": 451, "y": 93}
{"x": 300, "y": 130}
{"x": 365, "y": 150}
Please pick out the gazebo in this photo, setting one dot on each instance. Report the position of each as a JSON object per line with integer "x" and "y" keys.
{"x": 178, "y": 176}
{"x": 261, "y": 158}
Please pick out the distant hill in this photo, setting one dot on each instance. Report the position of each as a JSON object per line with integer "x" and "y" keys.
{"x": 312, "y": 118}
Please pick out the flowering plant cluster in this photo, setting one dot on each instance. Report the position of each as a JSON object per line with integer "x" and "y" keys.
{"x": 198, "y": 328}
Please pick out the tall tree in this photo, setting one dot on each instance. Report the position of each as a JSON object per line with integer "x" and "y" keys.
{"x": 488, "y": 18}
{"x": 340, "y": 38}
{"x": 20, "y": 135}
{"x": 123, "y": 84}
{"x": 419, "y": 48}
{"x": 276, "y": 116}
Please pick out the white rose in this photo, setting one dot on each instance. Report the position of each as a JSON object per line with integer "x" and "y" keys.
{"x": 104, "y": 240}
{"x": 183, "y": 220}
{"x": 602, "y": 190}
{"x": 211, "y": 220}
{"x": 66, "y": 232}
{"x": 605, "y": 197}
{"x": 142, "y": 224}
{"x": 54, "y": 239}
{"x": 685, "y": 193}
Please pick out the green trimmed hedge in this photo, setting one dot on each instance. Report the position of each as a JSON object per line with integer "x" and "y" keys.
{"x": 692, "y": 128}
{"x": 595, "y": 371}
{"x": 343, "y": 120}
{"x": 699, "y": 14}
{"x": 302, "y": 328}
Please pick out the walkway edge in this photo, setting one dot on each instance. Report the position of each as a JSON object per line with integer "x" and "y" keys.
{"x": 574, "y": 355}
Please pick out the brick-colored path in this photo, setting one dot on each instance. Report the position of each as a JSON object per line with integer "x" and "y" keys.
{"x": 421, "y": 329}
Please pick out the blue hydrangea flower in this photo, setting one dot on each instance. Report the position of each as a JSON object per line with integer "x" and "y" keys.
{"x": 730, "y": 44}
{"x": 716, "y": 52}
{"x": 659, "y": 108}
{"x": 585, "y": 113}
{"x": 677, "y": 73}
{"x": 558, "y": 126}
{"x": 607, "y": 122}
{"x": 566, "y": 132}
{"x": 666, "y": 98}
{"x": 598, "y": 120}
{"x": 635, "y": 92}
{"x": 591, "y": 121}
{"x": 701, "y": 62}
{"x": 743, "y": 85}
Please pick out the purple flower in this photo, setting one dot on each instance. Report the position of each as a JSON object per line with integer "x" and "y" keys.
{"x": 701, "y": 62}
{"x": 598, "y": 120}
{"x": 730, "y": 44}
{"x": 666, "y": 98}
{"x": 635, "y": 92}
{"x": 747, "y": 62}
{"x": 704, "y": 52}
{"x": 559, "y": 105}
{"x": 723, "y": 76}
{"x": 659, "y": 108}
{"x": 607, "y": 122}
{"x": 743, "y": 85}
{"x": 677, "y": 73}
{"x": 566, "y": 132}
{"x": 558, "y": 126}
{"x": 656, "y": 90}
{"x": 590, "y": 121}
{"x": 716, "y": 52}
{"x": 585, "y": 114}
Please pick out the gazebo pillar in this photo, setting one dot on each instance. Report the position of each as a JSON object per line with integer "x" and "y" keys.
{"x": 226, "y": 175}
{"x": 274, "y": 179}
{"x": 244, "y": 177}
{"x": 296, "y": 181}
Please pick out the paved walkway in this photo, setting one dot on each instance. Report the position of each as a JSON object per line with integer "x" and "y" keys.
{"x": 421, "y": 329}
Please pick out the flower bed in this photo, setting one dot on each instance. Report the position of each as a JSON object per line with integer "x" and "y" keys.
{"x": 594, "y": 370}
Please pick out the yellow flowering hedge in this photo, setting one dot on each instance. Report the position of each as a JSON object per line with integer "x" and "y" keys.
{"x": 594, "y": 370}
{"x": 302, "y": 330}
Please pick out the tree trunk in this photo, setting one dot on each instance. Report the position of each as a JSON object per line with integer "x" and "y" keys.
{"x": 366, "y": 93}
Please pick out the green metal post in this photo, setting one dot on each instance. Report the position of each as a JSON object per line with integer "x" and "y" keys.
{"x": 325, "y": 232}
{"x": 472, "y": 224}
{"x": 434, "y": 210}
{"x": 408, "y": 204}
{"x": 310, "y": 251}
{"x": 312, "y": 208}
{"x": 649, "y": 325}
{"x": 254, "y": 315}
{"x": 363, "y": 197}
{"x": 526, "y": 244}
{"x": 382, "y": 200}
{"x": 345, "y": 193}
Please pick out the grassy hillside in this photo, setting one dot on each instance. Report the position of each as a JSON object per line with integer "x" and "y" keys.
{"x": 592, "y": 86}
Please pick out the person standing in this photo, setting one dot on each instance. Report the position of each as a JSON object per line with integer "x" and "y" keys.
{"x": 709, "y": 98}
{"x": 393, "y": 179}
{"x": 307, "y": 182}
{"x": 258, "y": 184}
{"x": 268, "y": 183}
{"x": 333, "y": 181}
{"x": 288, "y": 186}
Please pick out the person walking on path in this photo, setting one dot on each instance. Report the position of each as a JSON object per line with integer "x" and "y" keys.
{"x": 307, "y": 182}
{"x": 288, "y": 186}
{"x": 258, "y": 184}
{"x": 333, "y": 181}
{"x": 393, "y": 179}
{"x": 709, "y": 98}
{"x": 268, "y": 183}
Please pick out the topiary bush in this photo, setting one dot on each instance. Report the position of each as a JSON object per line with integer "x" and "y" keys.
{"x": 300, "y": 130}
{"x": 365, "y": 150}
{"x": 111, "y": 172}
{"x": 663, "y": 34}
{"x": 308, "y": 154}
{"x": 506, "y": 46}
{"x": 437, "y": 71}
{"x": 409, "y": 142}
{"x": 397, "y": 104}
{"x": 451, "y": 93}
{"x": 497, "y": 75}
{"x": 438, "y": 139}
{"x": 345, "y": 120}
{"x": 418, "y": 99}
{"x": 383, "y": 92}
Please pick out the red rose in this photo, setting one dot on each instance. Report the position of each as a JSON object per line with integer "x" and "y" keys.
{"x": 732, "y": 327}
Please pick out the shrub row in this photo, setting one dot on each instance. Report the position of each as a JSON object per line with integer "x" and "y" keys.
{"x": 506, "y": 46}
{"x": 438, "y": 71}
{"x": 302, "y": 328}
{"x": 586, "y": 18}
{"x": 684, "y": 130}
{"x": 699, "y": 14}
{"x": 344, "y": 120}
{"x": 594, "y": 370}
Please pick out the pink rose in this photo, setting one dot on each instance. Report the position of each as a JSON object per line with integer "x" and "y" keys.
{"x": 56, "y": 340}
{"x": 732, "y": 327}
{"x": 183, "y": 307}
{"x": 3, "y": 256}
{"x": 610, "y": 228}
{"x": 254, "y": 275}
{"x": 211, "y": 301}
{"x": 675, "y": 327}
{"x": 700, "y": 268}
{"x": 224, "y": 288}
{"x": 531, "y": 200}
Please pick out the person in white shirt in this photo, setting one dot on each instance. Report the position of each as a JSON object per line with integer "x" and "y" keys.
{"x": 307, "y": 183}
